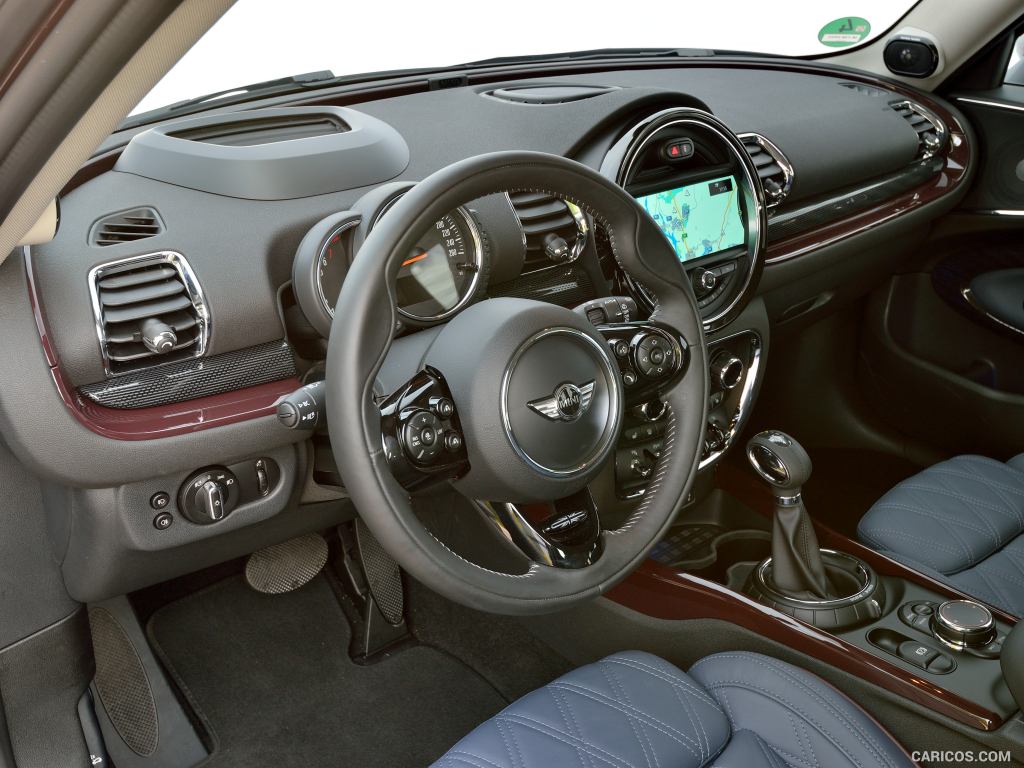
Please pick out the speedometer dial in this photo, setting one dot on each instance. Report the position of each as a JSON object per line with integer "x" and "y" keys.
{"x": 440, "y": 274}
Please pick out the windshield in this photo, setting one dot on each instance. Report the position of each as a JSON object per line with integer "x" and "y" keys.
{"x": 259, "y": 40}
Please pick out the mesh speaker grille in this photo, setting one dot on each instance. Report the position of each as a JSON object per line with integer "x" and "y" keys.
{"x": 122, "y": 684}
{"x": 382, "y": 575}
{"x": 286, "y": 566}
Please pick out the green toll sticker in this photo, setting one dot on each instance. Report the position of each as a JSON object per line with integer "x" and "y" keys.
{"x": 840, "y": 33}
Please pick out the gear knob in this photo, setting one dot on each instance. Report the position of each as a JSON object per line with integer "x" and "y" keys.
{"x": 780, "y": 460}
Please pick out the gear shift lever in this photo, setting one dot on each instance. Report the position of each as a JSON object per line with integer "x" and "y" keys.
{"x": 797, "y": 568}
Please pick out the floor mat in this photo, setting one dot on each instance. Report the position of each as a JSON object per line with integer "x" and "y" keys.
{"x": 271, "y": 678}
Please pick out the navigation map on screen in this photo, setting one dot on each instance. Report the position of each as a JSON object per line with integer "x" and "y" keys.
{"x": 698, "y": 219}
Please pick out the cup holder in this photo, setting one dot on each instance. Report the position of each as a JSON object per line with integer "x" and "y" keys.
{"x": 734, "y": 555}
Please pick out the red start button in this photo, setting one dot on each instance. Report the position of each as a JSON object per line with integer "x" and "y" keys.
{"x": 677, "y": 149}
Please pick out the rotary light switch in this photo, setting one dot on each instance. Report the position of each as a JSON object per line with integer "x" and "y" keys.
{"x": 208, "y": 496}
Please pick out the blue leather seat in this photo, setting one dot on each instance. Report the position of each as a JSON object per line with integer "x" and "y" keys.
{"x": 733, "y": 710}
{"x": 961, "y": 522}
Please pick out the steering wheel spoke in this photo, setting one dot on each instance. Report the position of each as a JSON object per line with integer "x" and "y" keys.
{"x": 421, "y": 432}
{"x": 563, "y": 534}
{"x": 651, "y": 356}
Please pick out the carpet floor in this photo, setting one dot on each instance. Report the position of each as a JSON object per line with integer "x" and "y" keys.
{"x": 271, "y": 680}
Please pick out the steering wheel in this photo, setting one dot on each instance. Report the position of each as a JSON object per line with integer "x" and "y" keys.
{"x": 516, "y": 402}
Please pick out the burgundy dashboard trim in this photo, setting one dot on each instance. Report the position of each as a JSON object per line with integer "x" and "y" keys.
{"x": 158, "y": 421}
{"x": 658, "y": 591}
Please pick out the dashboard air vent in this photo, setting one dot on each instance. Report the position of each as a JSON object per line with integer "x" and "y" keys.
{"x": 931, "y": 131}
{"x": 148, "y": 310}
{"x": 549, "y": 94}
{"x": 252, "y": 132}
{"x": 554, "y": 230}
{"x": 865, "y": 89}
{"x": 773, "y": 168}
{"x": 126, "y": 227}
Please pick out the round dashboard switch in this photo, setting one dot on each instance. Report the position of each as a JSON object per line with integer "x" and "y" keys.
{"x": 160, "y": 500}
{"x": 163, "y": 521}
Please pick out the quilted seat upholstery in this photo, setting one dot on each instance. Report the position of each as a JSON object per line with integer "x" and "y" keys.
{"x": 960, "y": 521}
{"x": 635, "y": 710}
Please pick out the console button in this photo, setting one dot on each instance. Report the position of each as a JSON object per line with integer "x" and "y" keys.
{"x": 942, "y": 665}
{"x": 916, "y": 653}
{"x": 442, "y": 406}
{"x": 160, "y": 500}
{"x": 453, "y": 442}
{"x": 163, "y": 521}
{"x": 677, "y": 149}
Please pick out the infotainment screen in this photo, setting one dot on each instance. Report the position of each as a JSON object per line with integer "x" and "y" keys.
{"x": 698, "y": 219}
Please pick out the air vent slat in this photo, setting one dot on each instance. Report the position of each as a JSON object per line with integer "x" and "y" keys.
{"x": 156, "y": 295}
{"x": 763, "y": 159}
{"x": 769, "y": 171}
{"x": 544, "y": 210}
{"x": 138, "y": 351}
{"x": 148, "y": 292}
{"x": 126, "y": 227}
{"x": 128, "y": 279}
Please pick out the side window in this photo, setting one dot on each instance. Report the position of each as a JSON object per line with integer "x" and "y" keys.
{"x": 1015, "y": 71}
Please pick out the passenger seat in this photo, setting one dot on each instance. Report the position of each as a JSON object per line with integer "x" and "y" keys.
{"x": 960, "y": 521}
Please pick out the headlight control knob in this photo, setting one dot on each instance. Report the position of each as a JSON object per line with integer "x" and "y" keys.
{"x": 208, "y": 496}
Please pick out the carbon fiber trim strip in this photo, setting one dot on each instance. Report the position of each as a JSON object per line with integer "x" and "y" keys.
{"x": 199, "y": 377}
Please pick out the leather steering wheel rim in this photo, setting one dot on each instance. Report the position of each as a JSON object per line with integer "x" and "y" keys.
{"x": 361, "y": 336}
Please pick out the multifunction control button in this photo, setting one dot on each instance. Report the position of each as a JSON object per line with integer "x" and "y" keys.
{"x": 423, "y": 436}
{"x": 655, "y": 356}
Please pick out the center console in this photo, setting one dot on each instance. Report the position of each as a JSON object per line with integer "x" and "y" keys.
{"x": 755, "y": 559}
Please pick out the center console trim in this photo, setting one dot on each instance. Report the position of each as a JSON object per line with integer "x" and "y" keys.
{"x": 750, "y": 384}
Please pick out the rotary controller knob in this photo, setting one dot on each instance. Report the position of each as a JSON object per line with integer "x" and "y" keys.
{"x": 963, "y": 624}
{"x": 704, "y": 282}
{"x": 727, "y": 370}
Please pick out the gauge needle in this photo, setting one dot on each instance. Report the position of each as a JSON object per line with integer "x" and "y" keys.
{"x": 414, "y": 259}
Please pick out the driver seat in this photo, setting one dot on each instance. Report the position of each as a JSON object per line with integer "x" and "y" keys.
{"x": 635, "y": 710}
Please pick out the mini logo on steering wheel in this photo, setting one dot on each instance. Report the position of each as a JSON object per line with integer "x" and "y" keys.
{"x": 567, "y": 403}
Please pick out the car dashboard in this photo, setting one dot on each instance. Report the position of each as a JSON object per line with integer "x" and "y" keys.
{"x": 193, "y": 281}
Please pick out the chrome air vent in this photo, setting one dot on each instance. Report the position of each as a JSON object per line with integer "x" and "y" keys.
{"x": 126, "y": 227}
{"x": 773, "y": 169}
{"x": 554, "y": 230}
{"x": 931, "y": 131}
{"x": 148, "y": 310}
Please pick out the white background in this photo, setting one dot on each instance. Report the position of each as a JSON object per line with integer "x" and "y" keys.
{"x": 265, "y": 39}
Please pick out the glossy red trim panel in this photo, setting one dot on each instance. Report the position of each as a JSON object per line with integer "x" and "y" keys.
{"x": 159, "y": 421}
{"x": 658, "y": 591}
